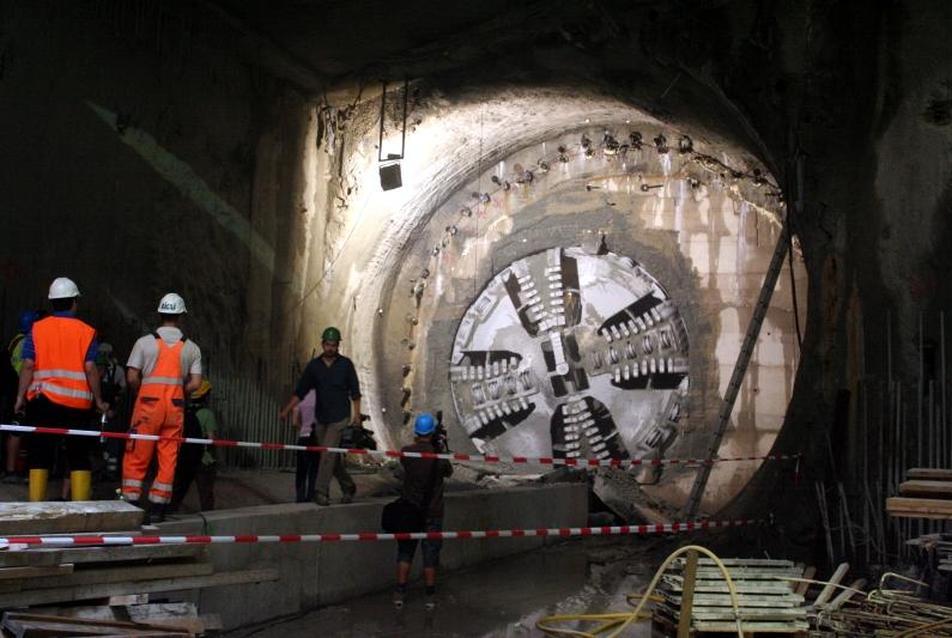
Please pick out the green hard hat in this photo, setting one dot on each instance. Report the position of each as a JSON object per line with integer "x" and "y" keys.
{"x": 331, "y": 334}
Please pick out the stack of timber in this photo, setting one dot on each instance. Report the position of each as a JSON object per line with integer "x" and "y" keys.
{"x": 32, "y": 577}
{"x": 697, "y": 599}
{"x": 926, "y": 493}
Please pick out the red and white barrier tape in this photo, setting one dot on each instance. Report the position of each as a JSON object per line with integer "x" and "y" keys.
{"x": 563, "y": 532}
{"x": 451, "y": 456}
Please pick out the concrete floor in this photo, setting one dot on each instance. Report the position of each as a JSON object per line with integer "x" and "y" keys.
{"x": 503, "y": 598}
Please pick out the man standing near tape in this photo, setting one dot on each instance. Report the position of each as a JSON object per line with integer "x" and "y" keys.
{"x": 337, "y": 404}
{"x": 163, "y": 367}
{"x": 59, "y": 385}
{"x": 423, "y": 488}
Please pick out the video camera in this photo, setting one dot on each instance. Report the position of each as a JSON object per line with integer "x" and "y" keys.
{"x": 357, "y": 436}
{"x": 441, "y": 440}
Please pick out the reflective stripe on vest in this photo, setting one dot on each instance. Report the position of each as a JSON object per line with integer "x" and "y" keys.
{"x": 48, "y": 388}
{"x": 62, "y": 374}
{"x": 161, "y": 381}
{"x": 60, "y": 345}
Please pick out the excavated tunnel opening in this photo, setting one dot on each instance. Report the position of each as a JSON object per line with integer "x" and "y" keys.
{"x": 563, "y": 274}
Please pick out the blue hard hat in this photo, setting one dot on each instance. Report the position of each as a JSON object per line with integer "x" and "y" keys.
{"x": 424, "y": 424}
{"x": 25, "y": 321}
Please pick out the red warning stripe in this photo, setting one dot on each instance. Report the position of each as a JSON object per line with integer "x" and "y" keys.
{"x": 451, "y": 456}
{"x": 12, "y": 542}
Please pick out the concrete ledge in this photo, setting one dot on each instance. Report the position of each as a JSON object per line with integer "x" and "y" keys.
{"x": 314, "y": 574}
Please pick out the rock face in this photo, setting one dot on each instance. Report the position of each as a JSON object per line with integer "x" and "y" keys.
{"x": 230, "y": 152}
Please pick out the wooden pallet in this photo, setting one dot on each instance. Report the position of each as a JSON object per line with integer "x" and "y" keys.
{"x": 696, "y": 598}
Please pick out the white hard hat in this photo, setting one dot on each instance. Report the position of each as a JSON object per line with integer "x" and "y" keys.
{"x": 172, "y": 304}
{"x": 63, "y": 288}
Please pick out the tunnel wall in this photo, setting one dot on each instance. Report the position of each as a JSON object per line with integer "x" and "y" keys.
{"x": 141, "y": 155}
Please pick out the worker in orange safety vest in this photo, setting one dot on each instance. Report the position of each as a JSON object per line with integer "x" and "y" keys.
{"x": 163, "y": 367}
{"x": 59, "y": 385}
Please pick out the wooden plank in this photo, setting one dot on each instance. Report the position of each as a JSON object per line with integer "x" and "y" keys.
{"x": 808, "y": 574}
{"x": 743, "y": 586}
{"x": 790, "y": 627}
{"x": 25, "y": 624}
{"x": 846, "y": 594}
{"x": 30, "y": 558}
{"x": 905, "y": 507}
{"x": 745, "y": 600}
{"x": 123, "y": 574}
{"x": 705, "y": 573}
{"x": 182, "y": 615}
{"x": 117, "y": 553}
{"x": 90, "y": 592}
{"x": 742, "y": 562}
{"x": 830, "y": 587}
{"x": 687, "y": 595}
{"x": 68, "y": 517}
{"x": 929, "y": 474}
{"x": 926, "y": 489}
{"x": 11, "y": 573}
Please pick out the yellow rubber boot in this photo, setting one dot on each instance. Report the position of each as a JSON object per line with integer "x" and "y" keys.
{"x": 80, "y": 485}
{"x": 38, "y": 480}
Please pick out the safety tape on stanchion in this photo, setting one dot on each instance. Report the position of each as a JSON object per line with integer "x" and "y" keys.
{"x": 563, "y": 532}
{"x": 451, "y": 456}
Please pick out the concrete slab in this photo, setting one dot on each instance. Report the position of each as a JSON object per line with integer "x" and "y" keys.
{"x": 314, "y": 574}
{"x": 66, "y": 517}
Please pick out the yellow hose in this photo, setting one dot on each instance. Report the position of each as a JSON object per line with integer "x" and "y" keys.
{"x": 621, "y": 620}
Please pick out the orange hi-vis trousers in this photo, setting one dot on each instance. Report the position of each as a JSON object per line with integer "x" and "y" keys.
{"x": 159, "y": 409}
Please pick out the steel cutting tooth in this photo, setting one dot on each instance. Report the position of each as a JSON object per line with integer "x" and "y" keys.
{"x": 653, "y": 366}
{"x": 524, "y": 403}
{"x": 634, "y": 370}
{"x": 617, "y": 374}
{"x": 632, "y": 326}
{"x": 656, "y": 315}
{"x": 574, "y": 445}
{"x": 590, "y": 432}
{"x": 641, "y": 324}
{"x": 604, "y": 454}
{"x": 644, "y": 367}
{"x": 615, "y": 332}
{"x": 483, "y": 417}
{"x": 607, "y": 334}
{"x": 626, "y": 372}
{"x": 670, "y": 364}
{"x": 647, "y": 319}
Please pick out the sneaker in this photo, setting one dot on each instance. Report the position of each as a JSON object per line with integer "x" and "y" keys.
{"x": 347, "y": 499}
{"x": 320, "y": 499}
{"x": 430, "y": 603}
{"x": 398, "y": 597}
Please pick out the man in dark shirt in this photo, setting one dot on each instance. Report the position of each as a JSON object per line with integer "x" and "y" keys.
{"x": 422, "y": 486}
{"x": 334, "y": 380}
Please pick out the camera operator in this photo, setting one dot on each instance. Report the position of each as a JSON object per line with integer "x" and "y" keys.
{"x": 423, "y": 487}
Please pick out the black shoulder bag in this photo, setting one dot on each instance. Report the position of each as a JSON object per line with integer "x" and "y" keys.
{"x": 402, "y": 515}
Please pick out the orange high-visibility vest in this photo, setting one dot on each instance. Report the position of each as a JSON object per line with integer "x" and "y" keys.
{"x": 59, "y": 374}
{"x": 165, "y": 379}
